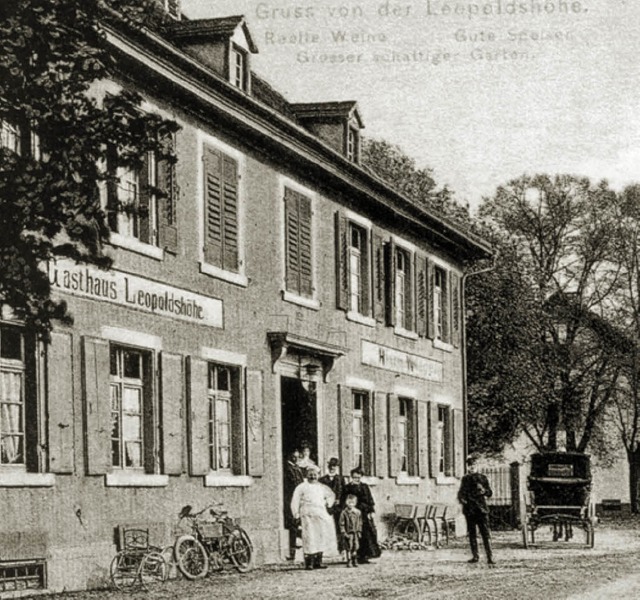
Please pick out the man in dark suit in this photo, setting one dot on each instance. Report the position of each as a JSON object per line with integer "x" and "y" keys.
{"x": 473, "y": 494}
{"x": 293, "y": 476}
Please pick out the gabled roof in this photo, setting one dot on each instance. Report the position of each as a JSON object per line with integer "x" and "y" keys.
{"x": 314, "y": 110}
{"x": 205, "y": 29}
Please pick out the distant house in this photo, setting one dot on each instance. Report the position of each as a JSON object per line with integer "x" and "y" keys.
{"x": 276, "y": 293}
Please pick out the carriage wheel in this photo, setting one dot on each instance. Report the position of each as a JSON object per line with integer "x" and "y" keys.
{"x": 123, "y": 570}
{"x": 153, "y": 569}
{"x": 191, "y": 557}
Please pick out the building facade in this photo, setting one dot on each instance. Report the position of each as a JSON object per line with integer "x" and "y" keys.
{"x": 275, "y": 293}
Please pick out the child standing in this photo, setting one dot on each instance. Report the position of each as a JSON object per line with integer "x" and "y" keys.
{"x": 351, "y": 529}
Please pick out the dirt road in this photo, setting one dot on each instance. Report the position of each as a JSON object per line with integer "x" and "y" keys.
{"x": 548, "y": 572}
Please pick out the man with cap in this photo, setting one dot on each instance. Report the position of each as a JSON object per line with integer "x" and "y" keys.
{"x": 333, "y": 480}
{"x": 473, "y": 494}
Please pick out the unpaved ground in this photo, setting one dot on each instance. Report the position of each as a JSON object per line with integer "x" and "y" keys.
{"x": 549, "y": 571}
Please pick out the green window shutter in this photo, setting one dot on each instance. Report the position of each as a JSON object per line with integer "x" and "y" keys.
{"x": 97, "y": 404}
{"x": 144, "y": 200}
{"x": 390, "y": 279}
{"x": 342, "y": 261}
{"x": 365, "y": 277}
{"x": 446, "y": 309}
{"x": 198, "y": 417}
{"x": 172, "y": 411}
{"x": 168, "y": 201}
{"x": 456, "y": 310}
{"x": 430, "y": 281}
{"x": 60, "y": 403}
{"x": 292, "y": 241}
{"x": 255, "y": 423}
{"x": 422, "y": 439}
{"x": 213, "y": 207}
{"x": 230, "y": 255}
{"x": 112, "y": 187}
{"x": 409, "y": 292}
{"x": 434, "y": 450}
{"x": 379, "y": 276}
{"x": 458, "y": 443}
{"x": 393, "y": 413}
{"x": 380, "y": 433}
{"x": 298, "y": 240}
{"x": 421, "y": 295}
{"x": 306, "y": 266}
{"x": 345, "y": 403}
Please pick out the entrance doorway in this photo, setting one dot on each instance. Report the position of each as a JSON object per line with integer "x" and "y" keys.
{"x": 299, "y": 416}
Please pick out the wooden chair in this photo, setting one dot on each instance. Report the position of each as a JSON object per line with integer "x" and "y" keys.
{"x": 426, "y": 523}
{"x": 405, "y": 523}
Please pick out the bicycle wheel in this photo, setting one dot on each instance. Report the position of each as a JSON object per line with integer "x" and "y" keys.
{"x": 123, "y": 570}
{"x": 153, "y": 569}
{"x": 191, "y": 557}
{"x": 240, "y": 550}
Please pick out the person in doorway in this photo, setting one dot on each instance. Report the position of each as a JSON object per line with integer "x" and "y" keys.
{"x": 473, "y": 494}
{"x": 369, "y": 541}
{"x": 309, "y": 504}
{"x": 305, "y": 460}
{"x": 293, "y": 477}
{"x": 333, "y": 480}
{"x": 351, "y": 530}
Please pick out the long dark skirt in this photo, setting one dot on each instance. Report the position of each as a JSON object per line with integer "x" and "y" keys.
{"x": 369, "y": 541}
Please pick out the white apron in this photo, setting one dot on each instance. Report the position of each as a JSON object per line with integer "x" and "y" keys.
{"x": 309, "y": 504}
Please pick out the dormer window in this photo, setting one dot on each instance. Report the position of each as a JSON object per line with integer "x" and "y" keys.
{"x": 173, "y": 8}
{"x": 238, "y": 69}
{"x": 353, "y": 147}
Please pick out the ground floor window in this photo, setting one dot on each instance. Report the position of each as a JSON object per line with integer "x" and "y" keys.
{"x": 362, "y": 431}
{"x": 12, "y": 396}
{"x": 407, "y": 436}
{"x": 444, "y": 441}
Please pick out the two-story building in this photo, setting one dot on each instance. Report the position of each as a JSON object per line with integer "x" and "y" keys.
{"x": 279, "y": 293}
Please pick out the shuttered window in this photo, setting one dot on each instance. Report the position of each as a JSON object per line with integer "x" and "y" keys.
{"x": 298, "y": 243}
{"x": 221, "y": 243}
{"x": 445, "y": 441}
{"x": 404, "y": 289}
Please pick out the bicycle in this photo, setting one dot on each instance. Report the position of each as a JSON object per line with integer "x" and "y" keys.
{"x": 215, "y": 539}
{"x": 137, "y": 562}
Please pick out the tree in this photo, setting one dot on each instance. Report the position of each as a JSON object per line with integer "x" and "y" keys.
{"x": 561, "y": 229}
{"x": 55, "y": 141}
{"x": 390, "y": 163}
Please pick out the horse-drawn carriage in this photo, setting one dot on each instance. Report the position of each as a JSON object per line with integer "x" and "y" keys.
{"x": 559, "y": 497}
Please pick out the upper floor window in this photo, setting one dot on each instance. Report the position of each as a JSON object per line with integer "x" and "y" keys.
{"x": 16, "y": 139}
{"x": 403, "y": 290}
{"x": 10, "y": 136}
{"x": 239, "y": 72}
{"x": 298, "y": 243}
{"x": 441, "y": 305}
{"x": 12, "y": 396}
{"x": 221, "y": 226}
{"x": 141, "y": 199}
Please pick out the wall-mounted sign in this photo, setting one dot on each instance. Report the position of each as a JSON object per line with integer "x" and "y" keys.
{"x": 391, "y": 359}
{"x": 134, "y": 292}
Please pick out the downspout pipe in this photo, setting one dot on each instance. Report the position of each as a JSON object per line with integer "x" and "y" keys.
{"x": 463, "y": 346}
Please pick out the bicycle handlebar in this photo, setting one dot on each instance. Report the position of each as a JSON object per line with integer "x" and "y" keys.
{"x": 186, "y": 512}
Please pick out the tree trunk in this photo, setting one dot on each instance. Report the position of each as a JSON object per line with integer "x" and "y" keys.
{"x": 553, "y": 420}
{"x": 633, "y": 457}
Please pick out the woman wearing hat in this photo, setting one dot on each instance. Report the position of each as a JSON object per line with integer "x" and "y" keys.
{"x": 333, "y": 480}
{"x": 309, "y": 504}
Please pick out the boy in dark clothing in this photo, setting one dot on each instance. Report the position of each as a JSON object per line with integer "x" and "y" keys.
{"x": 351, "y": 530}
{"x": 473, "y": 494}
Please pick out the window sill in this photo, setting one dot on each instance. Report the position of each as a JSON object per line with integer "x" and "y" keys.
{"x": 218, "y": 480}
{"x": 235, "y": 278}
{"x": 371, "y": 481}
{"x": 442, "y": 345}
{"x": 137, "y": 246}
{"x": 405, "y": 333}
{"x": 356, "y": 317}
{"x": 24, "y": 479}
{"x": 135, "y": 479}
{"x": 311, "y": 303}
{"x": 446, "y": 480}
{"x": 404, "y": 479}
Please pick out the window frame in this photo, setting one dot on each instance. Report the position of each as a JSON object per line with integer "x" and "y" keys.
{"x": 445, "y": 442}
{"x": 364, "y": 417}
{"x": 14, "y": 366}
{"x": 407, "y": 293}
{"x": 239, "y": 67}
{"x": 407, "y": 428}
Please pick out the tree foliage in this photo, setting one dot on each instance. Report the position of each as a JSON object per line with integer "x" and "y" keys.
{"x": 55, "y": 141}
{"x": 559, "y": 365}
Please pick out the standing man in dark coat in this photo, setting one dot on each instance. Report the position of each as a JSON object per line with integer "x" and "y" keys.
{"x": 333, "y": 480}
{"x": 369, "y": 541}
{"x": 473, "y": 494}
{"x": 293, "y": 476}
